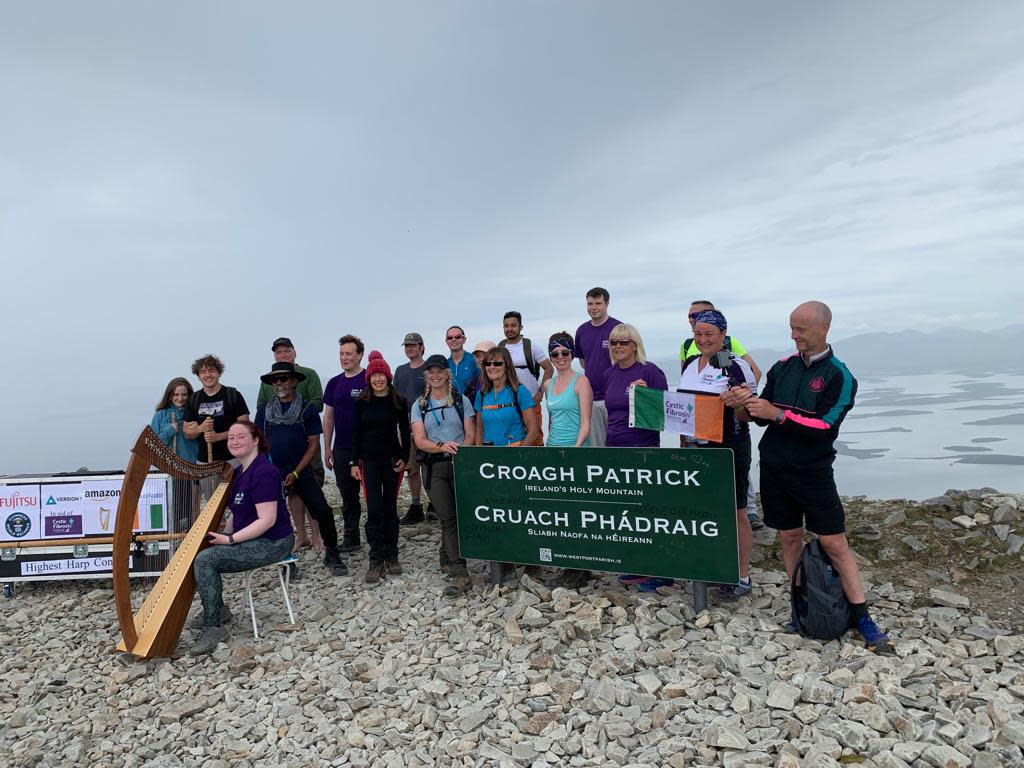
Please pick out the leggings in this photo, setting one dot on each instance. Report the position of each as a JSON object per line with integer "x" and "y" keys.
{"x": 232, "y": 558}
{"x": 380, "y": 486}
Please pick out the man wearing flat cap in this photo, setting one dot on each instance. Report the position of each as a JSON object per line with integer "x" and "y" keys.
{"x": 310, "y": 389}
{"x": 293, "y": 428}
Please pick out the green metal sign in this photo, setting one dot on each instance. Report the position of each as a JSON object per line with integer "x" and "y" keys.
{"x": 667, "y": 512}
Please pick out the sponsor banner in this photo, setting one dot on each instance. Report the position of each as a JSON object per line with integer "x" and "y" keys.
{"x": 684, "y": 413}
{"x": 648, "y": 511}
{"x": 99, "y": 506}
{"x": 19, "y": 512}
{"x": 99, "y": 564}
{"x": 61, "y": 510}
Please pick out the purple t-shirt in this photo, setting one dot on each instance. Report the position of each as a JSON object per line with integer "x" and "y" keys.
{"x": 616, "y": 399}
{"x": 341, "y": 393}
{"x": 592, "y": 346}
{"x": 259, "y": 483}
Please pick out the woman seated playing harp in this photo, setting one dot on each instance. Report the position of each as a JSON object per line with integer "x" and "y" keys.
{"x": 260, "y": 530}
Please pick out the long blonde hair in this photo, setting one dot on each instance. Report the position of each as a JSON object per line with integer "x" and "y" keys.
{"x": 627, "y": 331}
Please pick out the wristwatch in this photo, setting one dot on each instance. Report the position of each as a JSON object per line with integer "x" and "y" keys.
{"x": 440, "y": 446}
{"x": 231, "y": 538}
{"x": 780, "y": 416}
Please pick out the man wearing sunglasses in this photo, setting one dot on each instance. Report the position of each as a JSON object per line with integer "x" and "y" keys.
{"x": 292, "y": 426}
{"x": 465, "y": 371}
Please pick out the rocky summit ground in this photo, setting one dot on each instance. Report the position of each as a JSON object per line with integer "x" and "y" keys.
{"x": 531, "y": 674}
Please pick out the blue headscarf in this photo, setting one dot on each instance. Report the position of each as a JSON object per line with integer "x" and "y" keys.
{"x": 562, "y": 341}
{"x": 712, "y": 317}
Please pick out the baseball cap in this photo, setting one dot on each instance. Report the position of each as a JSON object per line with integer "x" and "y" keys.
{"x": 412, "y": 338}
{"x": 282, "y": 341}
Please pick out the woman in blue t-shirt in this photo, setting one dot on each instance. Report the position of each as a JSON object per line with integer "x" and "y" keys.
{"x": 260, "y": 531}
{"x": 504, "y": 407}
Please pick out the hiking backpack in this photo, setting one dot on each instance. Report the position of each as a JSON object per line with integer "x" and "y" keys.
{"x": 531, "y": 364}
{"x": 820, "y": 607}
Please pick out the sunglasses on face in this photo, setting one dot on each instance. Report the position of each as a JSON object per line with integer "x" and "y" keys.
{"x": 619, "y": 342}
{"x": 557, "y": 355}
{"x": 280, "y": 379}
{"x": 494, "y": 364}
{"x": 693, "y": 315}
{"x": 454, "y": 338}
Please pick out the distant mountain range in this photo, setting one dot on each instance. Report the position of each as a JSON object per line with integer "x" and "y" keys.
{"x": 953, "y": 350}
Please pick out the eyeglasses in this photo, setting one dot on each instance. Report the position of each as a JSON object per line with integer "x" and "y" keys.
{"x": 494, "y": 364}
{"x": 454, "y": 338}
{"x": 619, "y": 342}
{"x": 558, "y": 355}
{"x": 280, "y": 379}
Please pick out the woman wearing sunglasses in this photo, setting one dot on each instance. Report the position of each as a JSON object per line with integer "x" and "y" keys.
{"x": 568, "y": 395}
{"x": 504, "y": 407}
{"x": 569, "y": 399}
{"x": 630, "y": 368}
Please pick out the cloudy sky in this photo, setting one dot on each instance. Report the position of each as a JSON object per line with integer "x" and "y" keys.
{"x": 183, "y": 178}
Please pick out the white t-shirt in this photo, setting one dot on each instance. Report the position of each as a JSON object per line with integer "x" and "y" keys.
{"x": 711, "y": 379}
{"x": 526, "y": 378}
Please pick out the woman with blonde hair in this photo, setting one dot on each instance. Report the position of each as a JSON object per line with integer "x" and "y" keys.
{"x": 442, "y": 422}
{"x": 629, "y": 368}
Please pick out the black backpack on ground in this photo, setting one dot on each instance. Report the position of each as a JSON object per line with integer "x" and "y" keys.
{"x": 820, "y": 607}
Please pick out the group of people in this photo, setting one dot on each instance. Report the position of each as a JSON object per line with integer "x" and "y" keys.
{"x": 379, "y": 427}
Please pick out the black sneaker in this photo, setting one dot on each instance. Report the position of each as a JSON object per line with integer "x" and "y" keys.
{"x": 350, "y": 545}
{"x": 336, "y": 565}
{"x": 413, "y": 515}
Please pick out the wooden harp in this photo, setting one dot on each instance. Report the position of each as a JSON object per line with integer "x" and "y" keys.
{"x": 155, "y": 629}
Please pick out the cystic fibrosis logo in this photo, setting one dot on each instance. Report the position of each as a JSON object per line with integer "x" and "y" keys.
{"x": 239, "y": 498}
{"x": 817, "y": 384}
{"x": 18, "y": 525}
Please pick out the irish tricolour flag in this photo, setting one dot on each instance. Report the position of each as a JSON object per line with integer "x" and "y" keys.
{"x": 685, "y": 413}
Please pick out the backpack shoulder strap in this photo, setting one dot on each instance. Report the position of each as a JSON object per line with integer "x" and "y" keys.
{"x": 457, "y": 403}
{"x": 531, "y": 364}
{"x": 727, "y": 344}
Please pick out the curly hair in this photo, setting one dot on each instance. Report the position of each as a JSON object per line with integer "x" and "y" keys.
{"x": 208, "y": 361}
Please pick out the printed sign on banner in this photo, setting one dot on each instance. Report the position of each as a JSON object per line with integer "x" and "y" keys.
{"x": 648, "y": 511}
{"x": 99, "y": 506}
{"x": 19, "y": 512}
{"x": 61, "y": 511}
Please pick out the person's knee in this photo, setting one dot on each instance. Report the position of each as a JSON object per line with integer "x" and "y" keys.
{"x": 835, "y": 545}
{"x": 791, "y": 537}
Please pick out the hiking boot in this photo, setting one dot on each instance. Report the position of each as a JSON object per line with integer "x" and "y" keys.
{"x": 874, "y": 639}
{"x": 735, "y": 591}
{"x": 574, "y": 579}
{"x": 628, "y": 579}
{"x": 459, "y": 586}
{"x": 225, "y": 617}
{"x": 208, "y": 640}
{"x": 335, "y": 564}
{"x": 350, "y": 544}
{"x": 756, "y": 523}
{"x": 653, "y": 585}
{"x": 393, "y": 567}
{"x": 374, "y": 573}
{"x": 413, "y": 515}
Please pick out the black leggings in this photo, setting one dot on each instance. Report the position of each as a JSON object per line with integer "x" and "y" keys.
{"x": 312, "y": 495}
{"x": 380, "y": 486}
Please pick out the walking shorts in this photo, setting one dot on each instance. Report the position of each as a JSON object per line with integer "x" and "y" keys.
{"x": 804, "y": 498}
